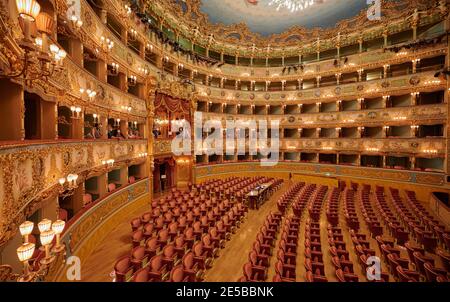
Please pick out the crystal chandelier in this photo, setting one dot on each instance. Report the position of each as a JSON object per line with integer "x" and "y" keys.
{"x": 292, "y": 5}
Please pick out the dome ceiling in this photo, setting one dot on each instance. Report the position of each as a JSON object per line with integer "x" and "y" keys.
{"x": 265, "y": 19}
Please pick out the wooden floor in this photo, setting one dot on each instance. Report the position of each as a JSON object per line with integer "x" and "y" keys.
{"x": 228, "y": 266}
{"x": 100, "y": 264}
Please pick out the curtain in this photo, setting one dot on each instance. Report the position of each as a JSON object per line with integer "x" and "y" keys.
{"x": 168, "y": 103}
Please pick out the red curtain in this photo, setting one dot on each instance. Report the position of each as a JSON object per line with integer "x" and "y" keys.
{"x": 171, "y": 104}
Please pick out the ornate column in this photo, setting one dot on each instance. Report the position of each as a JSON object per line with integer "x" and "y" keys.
{"x": 150, "y": 99}
{"x": 56, "y": 120}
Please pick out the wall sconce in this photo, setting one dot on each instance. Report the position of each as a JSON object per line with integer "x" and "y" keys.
{"x": 399, "y": 118}
{"x": 25, "y": 230}
{"x": 126, "y": 108}
{"x": 76, "y": 22}
{"x": 132, "y": 80}
{"x": 143, "y": 70}
{"x": 432, "y": 82}
{"x": 113, "y": 69}
{"x": 127, "y": 9}
{"x": 76, "y": 112}
{"x": 430, "y": 151}
{"x": 46, "y": 240}
{"x": 68, "y": 184}
{"x": 24, "y": 253}
{"x": 96, "y": 117}
{"x": 26, "y": 250}
{"x": 91, "y": 94}
{"x": 58, "y": 228}
{"x": 372, "y": 150}
{"x": 39, "y": 60}
{"x": 28, "y": 12}
{"x": 117, "y": 122}
{"x": 109, "y": 163}
{"x": 143, "y": 154}
{"x": 133, "y": 34}
{"x": 107, "y": 44}
{"x": 149, "y": 47}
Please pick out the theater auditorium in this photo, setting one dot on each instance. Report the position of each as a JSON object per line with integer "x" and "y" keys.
{"x": 224, "y": 141}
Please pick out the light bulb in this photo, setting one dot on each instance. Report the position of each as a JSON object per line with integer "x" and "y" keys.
{"x": 54, "y": 49}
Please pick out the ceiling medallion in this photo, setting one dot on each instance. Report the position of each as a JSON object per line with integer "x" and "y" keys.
{"x": 292, "y": 5}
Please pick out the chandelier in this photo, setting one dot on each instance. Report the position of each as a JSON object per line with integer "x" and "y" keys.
{"x": 292, "y": 5}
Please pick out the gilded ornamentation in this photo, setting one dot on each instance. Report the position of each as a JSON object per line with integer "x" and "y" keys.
{"x": 189, "y": 20}
{"x": 30, "y": 175}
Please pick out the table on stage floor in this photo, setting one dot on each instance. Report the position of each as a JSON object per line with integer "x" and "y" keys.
{"x": 258, "y": 195}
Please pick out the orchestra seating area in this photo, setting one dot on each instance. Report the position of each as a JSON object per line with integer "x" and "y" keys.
{"x": 314, "y": 233}
{"x": 182, "y": 234}
{"x": 343, "y": 228}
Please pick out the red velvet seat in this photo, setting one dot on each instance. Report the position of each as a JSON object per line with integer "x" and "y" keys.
{"x": 123, "y": 269}
{"x": 148, "y": 230}
{"x": 135, "y": 224}
{"x": 210, "y": 246}
{"x": 138, "y": 238}
{"x": 152, "y": 246}
{"x": 346, "y": 277}
{"x": 139, "y": 257}
{"x": 253, "y": 274}
{"x": 192, "y": 267}
{"x": 177, "y": 274}
{"x": 286, "y": 272}
{"x": 141, "y": 275}
{"x": 407, "y": 275}
{"x": 163, "y": 237}
{"x": 310, "y": 277}
{"x": 432, "y": 273}
{"x": 201, "y": 256}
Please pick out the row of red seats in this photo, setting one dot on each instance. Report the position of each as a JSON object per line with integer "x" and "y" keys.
{"x": 315, "y": 268}
{"x": 369, "y": 214}
{"x": 165, "y": 240}
{"x": 414, "y": 268}
{"x": 255, "y": 270}
{"x": 285, "y": 201}
{"x": 285, "y": 267}
{"x": 301, "y": 201}
{"x": 340, "y": 256}
{"x": 315, "y": 208}
{"x": 389, "y": 217}
{"x": 412, "y": 224}
{"x": 169, "y": 246}
{"x": 428, "y": 219}
{"x": 332, "y": 209}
